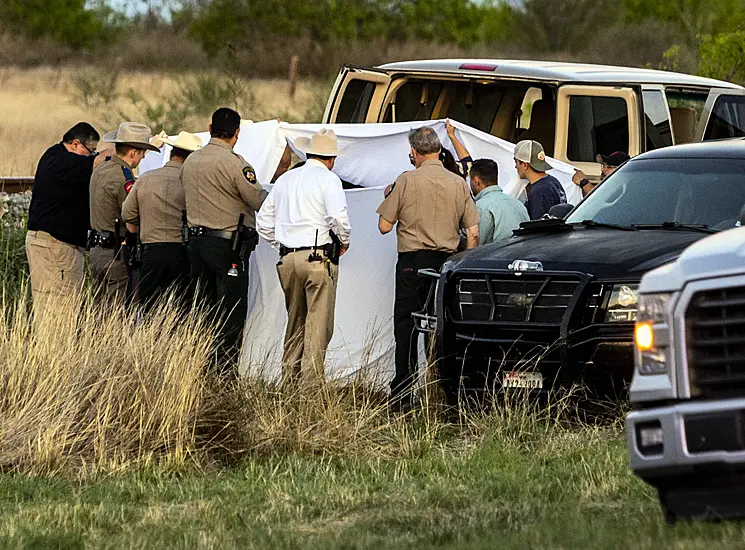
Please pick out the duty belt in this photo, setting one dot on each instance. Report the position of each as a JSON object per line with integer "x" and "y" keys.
{"x": 200, "y": 231}
{"x": 284, "y": 250}
{"x": 102, "y": 239}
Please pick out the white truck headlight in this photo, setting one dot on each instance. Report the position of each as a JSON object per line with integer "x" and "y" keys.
{"x": 622, "y": 305}
{"x": 652, "y": 334}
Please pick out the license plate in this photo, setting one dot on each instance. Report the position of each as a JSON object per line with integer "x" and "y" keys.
{"x": 530, "y": 380}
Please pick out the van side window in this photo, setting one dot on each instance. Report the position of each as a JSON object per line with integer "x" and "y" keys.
{"x": 727, "y": 118}
{"x": 356, "y": 101}
{"x": 656, "y": 121}
{"x": 685, "y": 112}
{"x": 596, "y": 125}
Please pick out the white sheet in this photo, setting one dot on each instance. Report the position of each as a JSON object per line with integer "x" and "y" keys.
{"x": 371, "y": 155}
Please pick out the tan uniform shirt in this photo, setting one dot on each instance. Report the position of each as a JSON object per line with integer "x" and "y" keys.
{"x": 219, "y": 186}
{"x": 109, "y": 187}
{"x": 431, "y": 205}
{"x": 155, "y": 204}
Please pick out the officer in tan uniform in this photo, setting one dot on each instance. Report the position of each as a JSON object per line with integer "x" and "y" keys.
{"x": 111, "y": 182}
{"x": 154, "y": 209}
{"x": 430, "y": 205}
{"x": 221, "y": 190}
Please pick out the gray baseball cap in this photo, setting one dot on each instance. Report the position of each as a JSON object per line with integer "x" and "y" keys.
{"x": 532, "y": 152}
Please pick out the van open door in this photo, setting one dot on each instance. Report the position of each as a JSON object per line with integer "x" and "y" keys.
{"x": 592, "y": 120}
{"x": 723, "y": 115}
{"x": 357, "y": 95}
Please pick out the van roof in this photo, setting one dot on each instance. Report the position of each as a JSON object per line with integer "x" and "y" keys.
{"x": 557, "y": 71}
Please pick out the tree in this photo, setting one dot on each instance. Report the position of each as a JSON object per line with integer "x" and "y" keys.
{"x": 67, "y": 21}
{"x": 690, "y": 18}
{"x": 217, "y": 23}
{"x": 564, "y": 25}
{"x": 723, "y": 56}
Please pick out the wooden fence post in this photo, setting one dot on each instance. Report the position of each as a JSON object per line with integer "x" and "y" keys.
{"x": 293, "y": 75}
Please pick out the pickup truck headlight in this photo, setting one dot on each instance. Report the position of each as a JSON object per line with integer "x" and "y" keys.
{"x": 652, "y": 334}
{"x": 622, "y": 304}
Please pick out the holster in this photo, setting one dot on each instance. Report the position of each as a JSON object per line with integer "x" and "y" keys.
{"x": 134, "y": 250}
{"x": 134, "y": 255}
{"x": 249, "y": 240}
{"x": 333, "y": 249}
{"x": 184, "y": 228}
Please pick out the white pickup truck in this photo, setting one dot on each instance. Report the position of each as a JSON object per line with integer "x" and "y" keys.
{"x": 686, "y": 431}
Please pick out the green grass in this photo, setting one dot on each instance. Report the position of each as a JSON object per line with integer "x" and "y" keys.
{"x": 567, "y": 491}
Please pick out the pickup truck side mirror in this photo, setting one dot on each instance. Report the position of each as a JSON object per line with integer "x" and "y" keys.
{"x": 560, "y": 211}
{"x": 742, "y": 217}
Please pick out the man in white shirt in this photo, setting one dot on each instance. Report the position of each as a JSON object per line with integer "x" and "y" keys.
{"x": 305, "y": 216}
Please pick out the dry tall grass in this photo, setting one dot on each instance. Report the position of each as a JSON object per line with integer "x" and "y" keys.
{"x": 101, "y": 391}
{"x": 38, "y": 105}
{"x": 104, "y": 391}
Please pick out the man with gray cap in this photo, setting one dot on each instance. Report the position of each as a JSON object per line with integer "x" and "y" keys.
{"x": 430, "y": 205}
{"x": 543, "y": 191}
{"x": 305, "y": 216}
{"x": 111, "y": 182}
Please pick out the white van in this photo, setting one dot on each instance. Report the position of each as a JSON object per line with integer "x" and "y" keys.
{"x": 686, "y": 432}
{"x": 575, "y": 110}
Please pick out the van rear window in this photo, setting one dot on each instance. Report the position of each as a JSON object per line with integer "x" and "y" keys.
{"x": 596, "y": 125}
{"x": 727, "y": 118}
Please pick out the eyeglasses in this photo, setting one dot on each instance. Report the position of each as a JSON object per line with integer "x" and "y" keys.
{"x": 90, "y": 151}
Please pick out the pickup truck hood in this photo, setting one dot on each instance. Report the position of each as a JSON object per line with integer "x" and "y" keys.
{"x": 608, "y": 254}
{"x": 716, "y": 256}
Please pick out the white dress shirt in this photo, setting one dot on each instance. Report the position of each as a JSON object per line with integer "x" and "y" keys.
{"x": 303, "y": 202}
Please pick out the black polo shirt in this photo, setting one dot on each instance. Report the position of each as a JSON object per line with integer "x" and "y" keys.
{"x": 59, "y": 202}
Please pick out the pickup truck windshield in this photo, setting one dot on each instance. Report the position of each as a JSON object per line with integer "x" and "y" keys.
{"x": 691, "y": 191}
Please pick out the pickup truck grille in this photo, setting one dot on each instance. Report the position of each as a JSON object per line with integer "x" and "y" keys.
{"x": 715, "y": 329}
{"x": 513, "y": 299}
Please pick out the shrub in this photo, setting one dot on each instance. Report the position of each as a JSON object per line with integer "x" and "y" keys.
{"x": 723, "y": 56}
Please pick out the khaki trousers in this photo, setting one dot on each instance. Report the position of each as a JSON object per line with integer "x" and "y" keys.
{"x": 310, "y": 298}
{"x": 57, "y": 270}
{"x": 110, "y": 274}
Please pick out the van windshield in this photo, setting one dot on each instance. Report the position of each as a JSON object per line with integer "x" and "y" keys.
{"x": 695, "y": 191}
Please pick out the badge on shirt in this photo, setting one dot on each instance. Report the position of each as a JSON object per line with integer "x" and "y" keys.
{"x": 249, "y": 174}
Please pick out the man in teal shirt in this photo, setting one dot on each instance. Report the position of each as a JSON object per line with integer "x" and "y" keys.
{"x": 499, "y": 213}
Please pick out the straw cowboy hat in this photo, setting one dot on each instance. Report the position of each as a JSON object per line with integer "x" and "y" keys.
{"x": 186, "y": 141}
{"x": 133, "y": 134}
{"x": 322, "y": 143}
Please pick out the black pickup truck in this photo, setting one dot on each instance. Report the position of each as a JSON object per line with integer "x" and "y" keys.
{"x": 555, "y": 304}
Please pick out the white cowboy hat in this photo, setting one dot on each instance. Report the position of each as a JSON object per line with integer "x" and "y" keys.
{"x": 186, "y": 141}
{"x": 322, "y": 143}
{"x": 133, "y": 134}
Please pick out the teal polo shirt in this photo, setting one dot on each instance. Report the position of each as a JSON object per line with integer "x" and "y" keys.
{"x": 499, "y": 214}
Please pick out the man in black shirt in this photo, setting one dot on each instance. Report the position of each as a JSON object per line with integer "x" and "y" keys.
{"x": 59, "y": 218}
{"x": 543, "y": 191}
